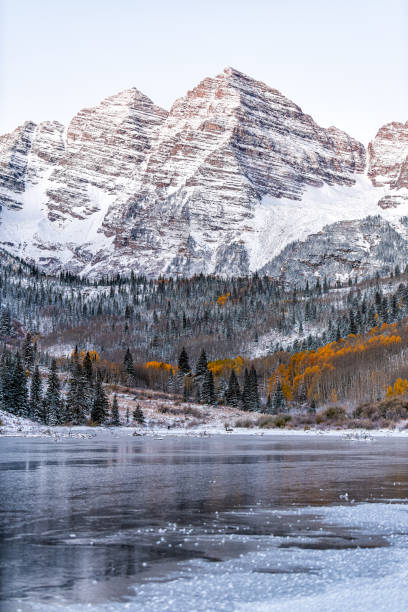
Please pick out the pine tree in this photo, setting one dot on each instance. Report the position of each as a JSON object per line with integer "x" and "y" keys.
{"x": 6, "y": 367}
{"x": 100, "y": 406}
{"x": 5, "y": 323}
{"x": 221, "y": 392}
{"x": 201, "y": 367}
{"x": 246, "y": 393}
{"x": 28, "y": 352}
{"x": 19, "y": 393}
{"x": 352, "y": 323}
{"x": 183, "y": 363}
{"x": 75, "y": 354}
{"x": 278, "y": 402}
{"x": 36, "y": 408}
{"x": 338, "y": 334}
{"x": 129, "y": 367}
{"x": 254, "y": 395}
{"x": 233, "y": 394}
{"x": 115, "y": 419}
{"x": 88, "y": 368}
{"x": 207, "y": 389}
{"x": 138, "y": 415}
{"x": 269, "y": 407}
{"x": 52, "y": 398}
{"x": 128, "y": 361}
{"x": 77, "y": 400}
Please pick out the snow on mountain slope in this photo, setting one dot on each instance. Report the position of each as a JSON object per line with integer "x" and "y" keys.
{"x": 222, "y": 183}
{"x": 278, "y": 222}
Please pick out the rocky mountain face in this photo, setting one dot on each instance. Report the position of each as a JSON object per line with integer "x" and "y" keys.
{"x": 227, "y": 182}
{"x": 343, "y": 249}
{"x": 388, "y": 162}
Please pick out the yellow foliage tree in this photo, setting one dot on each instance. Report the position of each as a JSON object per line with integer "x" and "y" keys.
{"x": 221, "y": 366}
{"x": 160, "y": 365}
{"x": 223, "y": 298}
{"x": 308, "y": 368}
{"x": 400, "y": 388}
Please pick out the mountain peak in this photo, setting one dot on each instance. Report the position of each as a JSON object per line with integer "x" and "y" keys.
{"x": 220, "y": 184}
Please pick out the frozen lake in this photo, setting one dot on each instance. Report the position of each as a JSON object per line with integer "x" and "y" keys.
{"x": 220, "y": 523}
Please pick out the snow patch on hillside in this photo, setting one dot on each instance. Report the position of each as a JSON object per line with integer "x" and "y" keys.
{"x": 34, "y": 236}
{"x": 280, "y": 221}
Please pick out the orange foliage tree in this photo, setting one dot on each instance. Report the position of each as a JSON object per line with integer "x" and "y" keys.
{"x": 315, "y": 370}
{"x": 223, "y": 298}
{"x": 220, "y": 367}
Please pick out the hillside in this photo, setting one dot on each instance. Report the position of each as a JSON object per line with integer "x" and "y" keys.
{"x": 249, "y": 343}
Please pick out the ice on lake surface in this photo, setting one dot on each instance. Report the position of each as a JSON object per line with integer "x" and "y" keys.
{"x": 220, "y": 523}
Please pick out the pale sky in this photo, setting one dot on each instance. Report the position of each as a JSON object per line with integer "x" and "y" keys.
{"x": 345, "y": 63}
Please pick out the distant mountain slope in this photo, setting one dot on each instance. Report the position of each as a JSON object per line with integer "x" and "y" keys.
{"x": 222, "y": 183}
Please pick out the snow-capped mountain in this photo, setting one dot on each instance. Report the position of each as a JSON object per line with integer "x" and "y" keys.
{"x": 234, "y": 177}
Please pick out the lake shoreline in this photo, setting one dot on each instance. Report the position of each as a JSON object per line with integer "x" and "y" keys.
{"x": 19, "y": 427}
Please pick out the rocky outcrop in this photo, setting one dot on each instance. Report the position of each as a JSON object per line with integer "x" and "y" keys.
{"x": 26, "y": 157}
{"x": 220, "y": 184}
{"x": 345, "y": 249}
{"x": 388, "y": 163}
{"x": 388, "y": 156}
{"x": 105, "y": 148}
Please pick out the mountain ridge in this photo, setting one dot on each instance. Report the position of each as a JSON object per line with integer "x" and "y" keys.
{"x": 221, "y": 183}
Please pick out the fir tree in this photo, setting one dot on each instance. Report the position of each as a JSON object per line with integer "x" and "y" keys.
{"x": 6, "y": 366}
{"x": 201, "y": 367}
{"x": 75, "y": 354}
{"x": 88, "y": 368}
{"x": 138, "y": 415}
{"x": 269, "y": 407}
{"x": 129, "y": 367}
{"x": 128, "y": 362}
{"x": 352, "y": 324}
{"x": 36, "y": 408}
{"x": 100, "y": 406}
{"x": 28, "y": 352}
{"x": 253, "y": 386}
{"x": 278, "y": 402}
{"x": 52, "y": 398}
{"x": 77, "y": 400}
{"x": 5, "y": 323}
{"x": 246, "y": 393}
{"x": 207, "y": 389}
{"x": 233, "y": 394}
{"x": 115, "y": 420}
{"x": 222, "y": 389}
{"x": 183, "y": 363}
{"x": 19, "y": 393}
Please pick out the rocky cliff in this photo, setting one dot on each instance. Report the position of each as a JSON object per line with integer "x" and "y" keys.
{"x": 222, "y": 183}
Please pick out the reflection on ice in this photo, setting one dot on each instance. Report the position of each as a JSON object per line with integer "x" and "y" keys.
{"x": 217, "y": 524}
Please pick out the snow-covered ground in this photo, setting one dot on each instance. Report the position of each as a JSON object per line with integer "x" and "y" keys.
{"x": 165, "y": 426}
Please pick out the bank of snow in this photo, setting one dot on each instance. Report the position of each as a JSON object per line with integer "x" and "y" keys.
{"x": 20, "y": 427}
